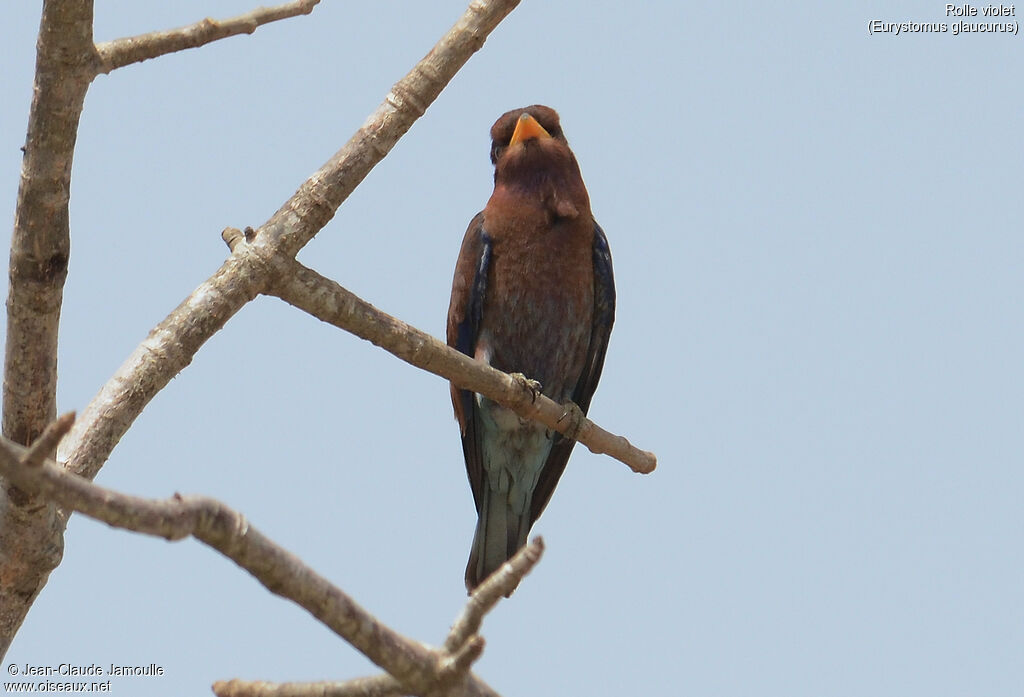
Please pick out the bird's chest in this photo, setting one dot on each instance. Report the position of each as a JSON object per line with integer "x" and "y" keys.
{"x": 539, "y": 304}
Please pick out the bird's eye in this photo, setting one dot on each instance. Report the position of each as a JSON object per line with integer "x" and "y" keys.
{"x": 496, "y": 150}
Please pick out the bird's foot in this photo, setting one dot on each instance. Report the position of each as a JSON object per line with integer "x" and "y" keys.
{"x": 576, "y": 420}
{"x": 532, "y": 385}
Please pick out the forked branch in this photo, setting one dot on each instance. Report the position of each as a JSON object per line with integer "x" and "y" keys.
{"x": 416, "y": 668}
{"x": 170, "y": 346}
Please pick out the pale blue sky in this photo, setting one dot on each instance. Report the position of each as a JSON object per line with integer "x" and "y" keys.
{"x": 818, "y": 253}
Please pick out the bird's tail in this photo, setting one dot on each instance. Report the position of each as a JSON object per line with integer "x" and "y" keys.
{"x": 500, "y": 532}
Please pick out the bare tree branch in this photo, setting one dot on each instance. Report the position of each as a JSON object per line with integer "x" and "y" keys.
{"x": 135, "y": 49}
{"x": 40, "y": 244}
{"x": 167, "y": 350}
{"x": 417, "y": 668}
{"x": 30, "y": 534}
{"x": 318, "y": 199}
{"x": 326, "y": 300}
{"x": 376, "y": 686}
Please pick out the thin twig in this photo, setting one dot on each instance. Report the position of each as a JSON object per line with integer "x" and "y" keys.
{"x": 499, "y": 584}
{"x": 135, "y": 49}
{"x": 329, "y": 302}
{"x": 46, "y": 444}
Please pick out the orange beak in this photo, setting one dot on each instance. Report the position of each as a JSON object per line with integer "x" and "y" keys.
{"x": 527, "y": 128}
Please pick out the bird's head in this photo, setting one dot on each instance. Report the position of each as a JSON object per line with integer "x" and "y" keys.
{"x": 527, "y": 145}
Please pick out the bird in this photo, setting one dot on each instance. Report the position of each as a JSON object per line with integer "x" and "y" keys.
{"x": 533, "y": 294}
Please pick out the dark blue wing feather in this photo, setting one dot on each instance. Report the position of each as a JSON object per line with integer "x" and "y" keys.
{"x": 464, "y": 317}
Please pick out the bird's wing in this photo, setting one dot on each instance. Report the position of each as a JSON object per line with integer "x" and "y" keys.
{"x": 464, "y": 314}
{"x": 601, "y": 328}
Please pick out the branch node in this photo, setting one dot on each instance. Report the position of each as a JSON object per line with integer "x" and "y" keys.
{"x": 46, "y": 444}
{"x": 458, "y": 664}
{"x": 232, "y": 236}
